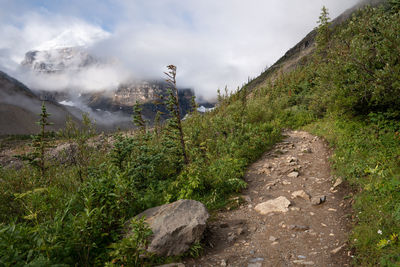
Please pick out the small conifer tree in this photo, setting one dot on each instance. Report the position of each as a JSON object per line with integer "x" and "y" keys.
{"x": 220, "y": 97}
{"x": 323, "y": 30}
{"x": 39, "y": 144}
{"x": 157, "y": 123}
{"x": 138, "y": 118}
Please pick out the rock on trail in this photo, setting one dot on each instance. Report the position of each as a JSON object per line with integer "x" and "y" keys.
{"x": 293, "y": 214}
{"x": 176, "y": 226}
{"x": 279, "y": 204}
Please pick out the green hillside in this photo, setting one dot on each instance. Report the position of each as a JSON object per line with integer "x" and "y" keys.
{"x": 63, "y": 211}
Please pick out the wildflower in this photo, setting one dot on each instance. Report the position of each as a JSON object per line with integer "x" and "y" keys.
{"x": 379, "y": 231}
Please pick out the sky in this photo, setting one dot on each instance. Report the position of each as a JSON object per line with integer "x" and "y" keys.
{"x": 213, "y": 43}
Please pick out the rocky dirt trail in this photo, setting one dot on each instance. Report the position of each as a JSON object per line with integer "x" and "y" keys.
{"x": 292, "y": 213}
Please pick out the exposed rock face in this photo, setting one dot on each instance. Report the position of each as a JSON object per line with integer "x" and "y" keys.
{"x": 130, "y": 93}
{"x": 176, "y": 226}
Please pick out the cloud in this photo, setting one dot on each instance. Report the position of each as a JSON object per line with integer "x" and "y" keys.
{"x": 90, "y": 79}
{"x": 213, "y": 43}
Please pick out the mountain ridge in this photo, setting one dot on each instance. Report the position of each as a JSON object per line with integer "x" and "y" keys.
{"x": 19, "y": 109}
{"x": 298, "y": 54}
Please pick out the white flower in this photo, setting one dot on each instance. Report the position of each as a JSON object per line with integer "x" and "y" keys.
{"x": 380, "y": 232}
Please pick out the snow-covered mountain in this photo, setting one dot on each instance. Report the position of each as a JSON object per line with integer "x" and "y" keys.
{"x": 66, "y": 51}
{"x": 76, "y": 37}
{"x": 59, "y": 59}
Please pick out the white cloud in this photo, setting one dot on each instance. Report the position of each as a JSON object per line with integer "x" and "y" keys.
{"x": 213, "y": 43}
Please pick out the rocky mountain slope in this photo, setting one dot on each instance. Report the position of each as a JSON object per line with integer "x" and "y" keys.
{"x": 19, "y": 108}
{"x": 299, "y": 54}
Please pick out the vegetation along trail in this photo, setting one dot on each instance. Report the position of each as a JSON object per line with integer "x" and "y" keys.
{"x": 290, "y": 215}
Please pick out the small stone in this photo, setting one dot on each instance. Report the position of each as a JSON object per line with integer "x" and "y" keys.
{"x": 272, "y": 238}
{"x": 274, "y": 243}
{"x": 256, "y": 260}
{"x": 270, "y": 184}
{"x": 173, "y": 265}
{"x": 298, "y": 227}
{"x": 252, "y": 252}
{"x": 338, "y": 182}
{"x": 279, "y": 204}
{"x": 240, "y": 231}
{"x": 324, "y": 225}
{"x": 331, "y": 234}
{"x": 267, "y": 165}
{"x": 302, "y": 194}
{"x": 293, "y": 175}
{"x": 312, "y": 233}
{"x": 223, "y": 263}
{"x": 306, "y": 150}
{"x": 336, "y": 250}
{"x": 301, "y": 257}
{"x": 334, "y": 210}
{"x": 224, "y": 225}
{"x": 257, "y": 264}
{"x": 295, "y": 209}
{"x": 231, "y": 237}
{"x": 317, "y": 200}
{"x": 303, "y": 262}
{"x": 291, "y": 159}
{"x": 246, "y": 198}
{"x": 286, "y": 182}
{"x": 312, "y": 213}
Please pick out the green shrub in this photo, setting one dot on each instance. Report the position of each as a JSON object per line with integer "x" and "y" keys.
{"x": 131, "y": 250}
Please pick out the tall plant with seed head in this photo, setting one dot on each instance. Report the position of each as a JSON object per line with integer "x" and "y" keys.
{"x": 175, "y": 122}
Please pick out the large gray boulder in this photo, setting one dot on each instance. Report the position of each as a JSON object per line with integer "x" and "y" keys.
{"x": 176, "y": 226}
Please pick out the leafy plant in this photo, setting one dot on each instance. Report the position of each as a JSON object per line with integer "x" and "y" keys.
{"x": 131, "y": 250}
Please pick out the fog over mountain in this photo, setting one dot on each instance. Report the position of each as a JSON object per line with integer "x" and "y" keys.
{"x": 213, "y": 43}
